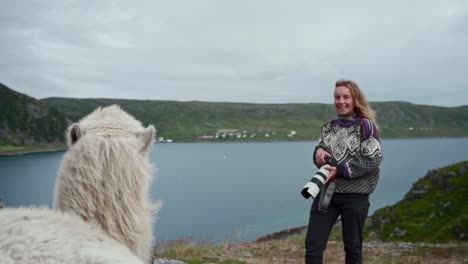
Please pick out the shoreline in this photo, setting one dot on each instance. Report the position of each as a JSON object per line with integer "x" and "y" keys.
{"x": 9, "y": 153}
{"x": 46, "y": 149}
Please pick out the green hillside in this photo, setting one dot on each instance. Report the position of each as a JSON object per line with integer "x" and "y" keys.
{"x": 434, "y": 210}
{"x": 400, "y": 119}
{"x": 187, "y": 121}
{"x": 27, "y": 121}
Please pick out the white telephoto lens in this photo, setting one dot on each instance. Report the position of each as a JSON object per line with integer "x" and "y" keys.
{"x": 312, "y": 189}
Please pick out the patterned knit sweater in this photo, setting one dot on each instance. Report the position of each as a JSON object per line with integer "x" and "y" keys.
{"x": 355, "y": 144}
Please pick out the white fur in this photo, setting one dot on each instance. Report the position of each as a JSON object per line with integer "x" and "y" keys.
{"x": 44, "y": 236}
{"x": 105, "y": 176}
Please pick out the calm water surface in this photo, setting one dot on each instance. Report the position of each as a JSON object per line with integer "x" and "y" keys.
{"x": 235, "y": 191}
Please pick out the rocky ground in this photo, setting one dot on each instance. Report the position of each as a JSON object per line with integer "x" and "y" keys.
{"x": 290, "y": 250}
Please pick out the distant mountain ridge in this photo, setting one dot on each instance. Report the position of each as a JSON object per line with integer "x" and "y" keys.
{"x": 188, "y": 121}
{"x": 27, "y": 121}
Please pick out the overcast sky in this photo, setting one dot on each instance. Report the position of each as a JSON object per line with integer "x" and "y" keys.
{"x": 270, "y": 51}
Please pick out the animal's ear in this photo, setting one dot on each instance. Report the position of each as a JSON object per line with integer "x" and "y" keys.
{"x": 147, "y": 137}
{"x": 74, "y": 134}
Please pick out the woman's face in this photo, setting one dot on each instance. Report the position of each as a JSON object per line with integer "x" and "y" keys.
{"x": 344, "y": 102}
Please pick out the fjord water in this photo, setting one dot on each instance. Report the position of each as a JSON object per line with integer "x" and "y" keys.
{"x": 235, "y": 191}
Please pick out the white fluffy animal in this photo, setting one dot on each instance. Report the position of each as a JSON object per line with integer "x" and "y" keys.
{"x": 105, "y": 177}
{"x": 45, "y": 236}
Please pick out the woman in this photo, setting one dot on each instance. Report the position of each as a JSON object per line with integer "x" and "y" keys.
{"x": 353, "y": 141}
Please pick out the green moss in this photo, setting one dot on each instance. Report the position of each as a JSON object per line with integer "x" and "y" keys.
{"x": 439, "y": 215}
{"x": 191, "y": 261}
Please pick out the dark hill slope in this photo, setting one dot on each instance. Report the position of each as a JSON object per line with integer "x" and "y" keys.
{"x": 27, "y": 121}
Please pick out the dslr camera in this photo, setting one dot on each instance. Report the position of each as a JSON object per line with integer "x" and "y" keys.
{"x": 313, "y": 187}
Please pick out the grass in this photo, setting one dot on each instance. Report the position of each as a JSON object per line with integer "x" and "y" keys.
{"x": 290, "y": 250}
{"x": 439, "y": 216}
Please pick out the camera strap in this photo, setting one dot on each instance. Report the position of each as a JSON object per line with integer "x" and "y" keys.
{"x": 326, "y": 193}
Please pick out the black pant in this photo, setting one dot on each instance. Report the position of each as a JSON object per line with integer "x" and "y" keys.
{"x": 353, "y": 209}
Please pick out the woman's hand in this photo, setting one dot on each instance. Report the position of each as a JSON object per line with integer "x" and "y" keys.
{"x": 331, "y": 174}
{"x": 320, "y": 155}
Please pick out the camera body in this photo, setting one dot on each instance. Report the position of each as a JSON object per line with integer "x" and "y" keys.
{"x": 313, "y": 187}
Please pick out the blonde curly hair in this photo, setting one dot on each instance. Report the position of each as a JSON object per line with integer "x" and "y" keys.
{"x": 362, "y": 107}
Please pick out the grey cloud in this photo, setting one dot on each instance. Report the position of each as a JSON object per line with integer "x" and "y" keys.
{"x": 249, "y": 51}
